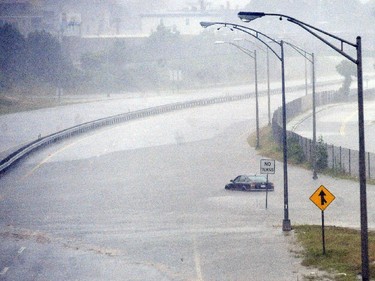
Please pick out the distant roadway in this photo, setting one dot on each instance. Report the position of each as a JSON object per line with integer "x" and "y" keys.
{"x": 145, "y": 200}
{"x": 338, "y": 124}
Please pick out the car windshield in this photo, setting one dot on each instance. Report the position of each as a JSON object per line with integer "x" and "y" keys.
{"x": 258, "y": 178}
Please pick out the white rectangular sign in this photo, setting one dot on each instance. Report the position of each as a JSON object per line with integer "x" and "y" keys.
{"x": 267, "y": 166}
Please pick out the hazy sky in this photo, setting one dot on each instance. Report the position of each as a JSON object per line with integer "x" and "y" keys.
{"x": 185, "y": 3}
{"x": 179, "y": 4}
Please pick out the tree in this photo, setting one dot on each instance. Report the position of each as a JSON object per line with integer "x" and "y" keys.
{"x": 91, "y": 61}
{"x": 295, "y": 151}
{"x": 321, "y": 155}
{"x": 164, "y": 43}
{"x": 346, "y": 69}
{"x": 45, "y": 60}
{"x": 12, "y": 54}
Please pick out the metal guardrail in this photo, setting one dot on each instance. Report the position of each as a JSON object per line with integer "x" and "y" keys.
{"x": 339, "y": 159}
{"x": 25, "y": 150}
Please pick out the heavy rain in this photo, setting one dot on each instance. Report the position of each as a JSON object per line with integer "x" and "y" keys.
{"x": 125, "y": 124}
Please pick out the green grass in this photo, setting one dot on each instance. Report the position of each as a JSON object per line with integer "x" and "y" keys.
{"x": 343, "y": 250}
{"x": 342, "y": 261}
{"x": 18, "y": 103}
{"x": 269, "y": 148}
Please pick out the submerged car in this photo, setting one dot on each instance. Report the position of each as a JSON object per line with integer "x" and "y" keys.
{"x": 250, "y": 183}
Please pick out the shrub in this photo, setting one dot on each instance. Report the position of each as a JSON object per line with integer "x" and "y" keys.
{"x": 295, "y": 151}
{"x": 321, "y": 155}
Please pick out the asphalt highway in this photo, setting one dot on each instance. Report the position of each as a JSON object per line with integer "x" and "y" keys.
{"x": 145, "y": 200}
{"x": 338, "y": 124}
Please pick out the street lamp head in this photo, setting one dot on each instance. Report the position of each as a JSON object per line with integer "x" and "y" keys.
{"x": 220, "y": 42}
{"x": 250, "y": 16}
{"x": 206, "y": 24}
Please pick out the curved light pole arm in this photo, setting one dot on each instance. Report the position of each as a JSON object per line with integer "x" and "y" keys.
{"x": 265, "y": 50}
{"x": 249, "y": 16}
{"x": 253, "y": 43}
{"x": 339, "y": 50}
{"x": 253, "y": 55}
{"x": 261, "y": 40}
{"x": 244, "y": 50}
{"x": 226, "y": 24}
{"x": 301, "y": 51}
{"x": 246, "y": 30}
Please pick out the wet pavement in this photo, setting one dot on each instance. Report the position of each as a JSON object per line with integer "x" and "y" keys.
{"x": 145, "y": 201}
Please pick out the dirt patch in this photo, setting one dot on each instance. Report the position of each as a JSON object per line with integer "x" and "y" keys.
{"x": 26, "y": 235}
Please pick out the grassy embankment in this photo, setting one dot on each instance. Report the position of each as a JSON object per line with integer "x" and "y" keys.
{"x": 15, "y": 102}
{"x": 18, "y": 104}
{"x": 342, "y": 261}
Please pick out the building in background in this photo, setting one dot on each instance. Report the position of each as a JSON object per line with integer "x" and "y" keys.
{"x": 24, "y": 15}
{"x": 186, "y": 20}
{"x": 67, "y": 17}
{"x": 103, "y": 18}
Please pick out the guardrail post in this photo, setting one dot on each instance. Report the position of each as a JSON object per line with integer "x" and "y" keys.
{"x": 368, "y": 164}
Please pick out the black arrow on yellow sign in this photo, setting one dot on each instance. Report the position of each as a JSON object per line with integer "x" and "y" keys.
{"x": 322, "y": 198}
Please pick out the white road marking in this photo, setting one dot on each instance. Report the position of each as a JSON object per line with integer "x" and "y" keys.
{"x": 46, "y": 159}
{"x": 346, "y": 120}
{"x": 197, "y": 261}
{"x": 4, "y": 271}
{"x": 81, "y": 139}
{"x": 21, "y": 250}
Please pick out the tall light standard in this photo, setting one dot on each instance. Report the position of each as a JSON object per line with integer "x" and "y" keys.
{"x": 257, "y": 34}
{"x": 311, "y": 58}
{"x": 268, "y": 76}
{"x": 253, "y": 55}
{"x": 318, "y": 33}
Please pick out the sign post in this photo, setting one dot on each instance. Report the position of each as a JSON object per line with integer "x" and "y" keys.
{"x": 322, "y": 197}
{"x": 267, "y": 166}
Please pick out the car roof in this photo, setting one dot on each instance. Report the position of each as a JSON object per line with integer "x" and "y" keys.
{"x": 256, "y": 177}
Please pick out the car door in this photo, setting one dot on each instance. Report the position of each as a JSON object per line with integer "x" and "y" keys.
{"x": 242, "y": 182}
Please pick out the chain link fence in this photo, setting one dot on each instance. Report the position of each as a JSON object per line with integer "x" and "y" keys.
{"x": 339, "y": 158}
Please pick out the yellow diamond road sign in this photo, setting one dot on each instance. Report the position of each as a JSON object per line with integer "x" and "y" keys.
{"x": 322, "y": 198}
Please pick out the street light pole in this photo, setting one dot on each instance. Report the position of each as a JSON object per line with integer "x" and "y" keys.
{"x": 268, "y": 77}
{"x": 362, "y": 166}
{"x": 268, "y": 88}
{"x": 256, "y": 97}
{"x": 286, "y": 221}
{"x": 312, "y": 61}
{"x": 315, "y": 176}
{"x": 253, "y": 55}
{"x": 319, "y": 33}
{"x": 306, "y": 91}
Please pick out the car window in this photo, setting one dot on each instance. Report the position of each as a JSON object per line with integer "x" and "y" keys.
{"x": 240, "y": 179}
{"x": 237, "y": 179}
{"x": 258, "y": 179}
